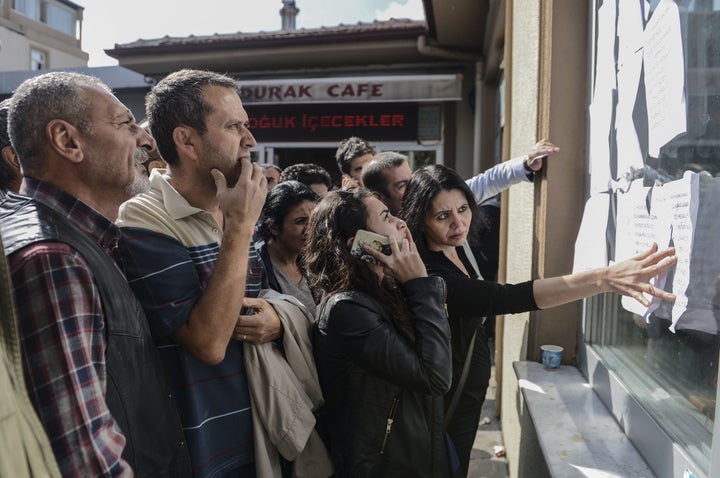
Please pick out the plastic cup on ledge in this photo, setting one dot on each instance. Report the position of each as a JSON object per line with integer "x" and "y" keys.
{"x": 551, "y": 356}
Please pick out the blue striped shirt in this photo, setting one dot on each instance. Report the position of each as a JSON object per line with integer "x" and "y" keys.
{"x": 169, "y": 250}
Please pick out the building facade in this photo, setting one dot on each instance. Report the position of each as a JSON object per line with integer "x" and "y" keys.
{"x": 40, "y": 34}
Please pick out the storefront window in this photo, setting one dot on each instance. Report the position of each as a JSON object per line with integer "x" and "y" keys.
{"x": 655, "y": 173}
{"x": 418, "y": 159}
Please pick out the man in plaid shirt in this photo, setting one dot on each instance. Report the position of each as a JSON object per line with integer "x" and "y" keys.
{"x": 76, "y": 143}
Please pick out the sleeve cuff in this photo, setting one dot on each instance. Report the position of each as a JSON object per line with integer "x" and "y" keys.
{"x": 529, "y": 173}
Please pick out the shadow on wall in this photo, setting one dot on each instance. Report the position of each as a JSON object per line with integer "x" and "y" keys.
{"x": 528, "y": 456}
{"x": 530, "y": 459}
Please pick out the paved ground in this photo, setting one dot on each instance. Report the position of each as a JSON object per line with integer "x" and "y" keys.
{"x": 483, "y": 462}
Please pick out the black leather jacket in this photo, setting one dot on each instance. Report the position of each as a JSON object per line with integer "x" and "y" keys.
{"x": 383, "y": 390}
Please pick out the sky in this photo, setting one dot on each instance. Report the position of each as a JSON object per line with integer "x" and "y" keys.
{"x": 106, "y": 23}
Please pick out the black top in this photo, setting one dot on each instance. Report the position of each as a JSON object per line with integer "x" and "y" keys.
{"x": 384, "y": 389}
{"x": 470, "y": 300}
{"x": 468, "y": 296}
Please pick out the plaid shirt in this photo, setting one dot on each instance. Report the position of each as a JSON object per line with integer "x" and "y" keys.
{"x": 62, "y": 329}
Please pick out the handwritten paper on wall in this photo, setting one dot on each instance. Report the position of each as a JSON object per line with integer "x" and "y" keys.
{"x": 638, "y": 228}
{"x": 664, "y": 76}
{"x": 697, "y": 311}
{"x": 681, "y": 213}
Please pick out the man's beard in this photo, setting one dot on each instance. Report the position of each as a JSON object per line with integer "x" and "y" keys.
{"x": 214, "y": 159}
{"x": 139, "y": 185}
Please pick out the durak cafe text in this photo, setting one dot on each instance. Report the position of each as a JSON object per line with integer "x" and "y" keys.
{"x": 407, "y": 108}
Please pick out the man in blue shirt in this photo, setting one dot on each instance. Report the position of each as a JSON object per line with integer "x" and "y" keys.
{"x": 188, "y": 253}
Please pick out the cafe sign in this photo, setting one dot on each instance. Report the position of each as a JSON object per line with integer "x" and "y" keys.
{"x": 353, "y": 89}
{"x": 333, "y": 122}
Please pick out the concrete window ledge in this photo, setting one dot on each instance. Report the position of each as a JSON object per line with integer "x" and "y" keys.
{"x": 577, "y": 434}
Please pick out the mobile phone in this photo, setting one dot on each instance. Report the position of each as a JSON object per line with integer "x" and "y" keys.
{"x": 366, "y": 238}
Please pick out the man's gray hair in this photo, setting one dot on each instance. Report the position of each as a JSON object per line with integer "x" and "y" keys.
{"x": 373, "y": 175}
{"x": 178, "y": 100}
{"x": 41, "y": 99}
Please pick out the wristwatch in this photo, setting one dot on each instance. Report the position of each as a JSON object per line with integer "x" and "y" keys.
{"x": 526, "y": 164}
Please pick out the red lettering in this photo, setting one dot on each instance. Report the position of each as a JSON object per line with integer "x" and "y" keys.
{"x": 360, "y": 120}
{"x": 252, "y": 123}
{"x": 372, "y": 121}
{"x": 290, "y": 92}
{"x": 325, "y": 121}
{"x": 348, "y": 91}
{"x": 349, "y": 121}
{"x": 384, "y": 121}
{"x": 398, "y": 120}
{"x": 274, "y": 91}
{"x": 289, "y": 122}
{"x": 304, "y": 91}
{"x": 331, "y": 91}
{"x": 312, "y": 123}
{"x": 376, "y": 89}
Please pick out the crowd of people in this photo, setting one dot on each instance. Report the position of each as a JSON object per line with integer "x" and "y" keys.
{"x": 183, "y": 311}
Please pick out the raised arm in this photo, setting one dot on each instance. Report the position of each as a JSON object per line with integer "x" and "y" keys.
{"x": 630, "y": 277}
{"x": 212, "y": 321}
{"x": 501, "y": 176}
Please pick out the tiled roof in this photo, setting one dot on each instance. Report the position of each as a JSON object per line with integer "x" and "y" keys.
{"x": 392, "y": 27}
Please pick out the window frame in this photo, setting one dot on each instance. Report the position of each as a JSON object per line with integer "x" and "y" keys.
{"x": 48, "y": 5}
{"x": 24, "y": 12}
{"x": 45, "y": 55}
{"x": 662, "y": 454}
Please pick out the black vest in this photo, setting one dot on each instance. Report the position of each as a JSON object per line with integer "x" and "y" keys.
{"x": 137, "y": 394}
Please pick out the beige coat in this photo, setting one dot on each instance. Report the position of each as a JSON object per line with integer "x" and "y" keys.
{"x": 24, "y": 446}
{"x": 284, "y": 391}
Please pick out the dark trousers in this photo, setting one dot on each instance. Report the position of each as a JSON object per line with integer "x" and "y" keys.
{"x": 463, "y": 425}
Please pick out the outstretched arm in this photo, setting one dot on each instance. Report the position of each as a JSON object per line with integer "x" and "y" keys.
{"x": 630, "y": 277}
{"x": 501, "y": 176}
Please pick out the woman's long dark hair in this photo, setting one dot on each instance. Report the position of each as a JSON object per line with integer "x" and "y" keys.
{"x": 327, "y": 260}
{"x": 424, "y": 185}
{"x": 280, "y": 200}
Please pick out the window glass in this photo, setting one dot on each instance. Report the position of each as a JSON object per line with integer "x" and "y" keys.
{"x": 418, "y": 159}
{"x": 667, "y": 357}
{"x": 38, "y": 60}
{"x": 60, "y": 18}
{"x": 29, "y": 8}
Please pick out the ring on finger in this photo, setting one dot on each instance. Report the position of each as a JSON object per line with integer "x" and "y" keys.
{"x": 244, "y": 337}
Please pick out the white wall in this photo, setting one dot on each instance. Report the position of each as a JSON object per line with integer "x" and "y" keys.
{"x": 15, "y": 53}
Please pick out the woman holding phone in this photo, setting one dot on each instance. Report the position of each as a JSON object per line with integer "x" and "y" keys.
{"x": 440, "y": 209}
{"x": 381, "y": 341}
